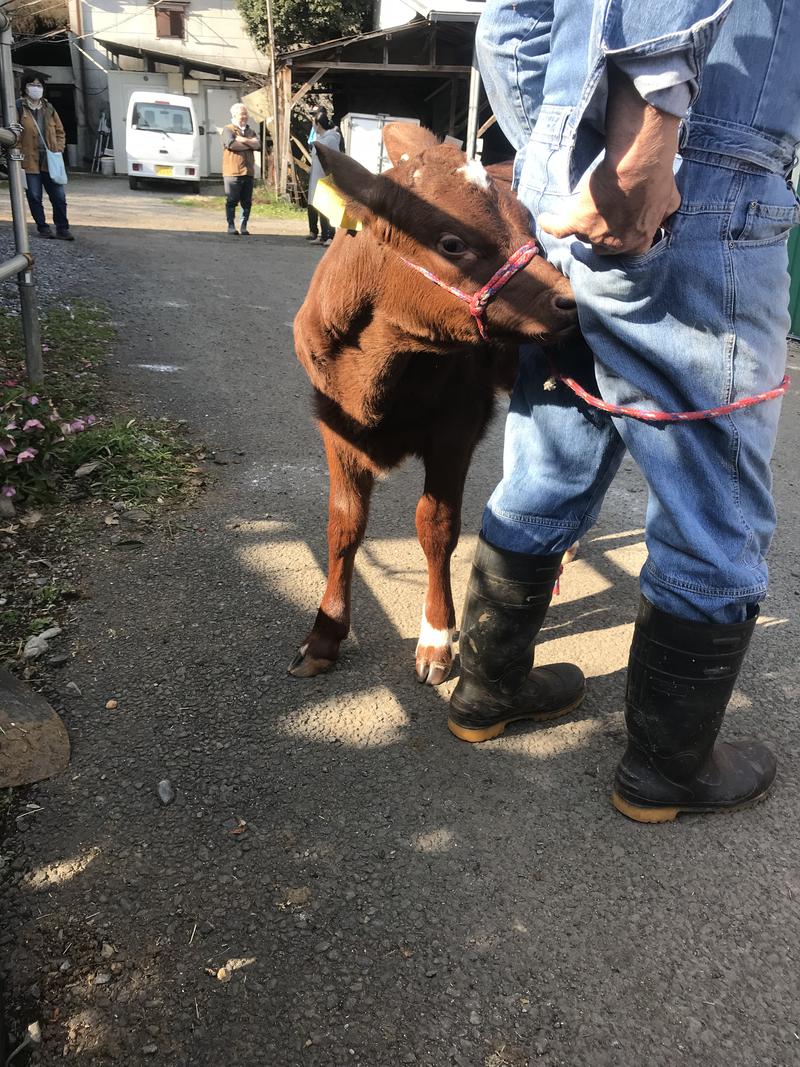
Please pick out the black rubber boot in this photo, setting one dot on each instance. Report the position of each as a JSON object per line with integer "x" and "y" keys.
{"x": 680, "y": 678}
{"x": 507, "y": 599}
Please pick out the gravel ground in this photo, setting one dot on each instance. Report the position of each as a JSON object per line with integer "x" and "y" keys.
{"x": 58, "y": 265}
{"x": 337, "y": 880}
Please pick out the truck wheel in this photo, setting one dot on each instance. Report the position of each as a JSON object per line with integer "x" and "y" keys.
{"x": 194, "y": 187}
{"x": 133, "y": 183}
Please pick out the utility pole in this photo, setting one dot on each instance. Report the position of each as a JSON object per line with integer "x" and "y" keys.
{"x": 22, "y": 263}
{"x": 273, "y": 77}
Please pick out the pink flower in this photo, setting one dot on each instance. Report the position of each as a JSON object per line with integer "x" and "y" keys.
{"x": 77, "y": 425}
{"x": 2, "y": 452}
{"x": 26, "y": 455}
{"x": 11, "y": 426}
{"x": 33, "y": 424}
{"x": 10, "y": 383}
{"x": 91, "y": 420}
{"x": 33, "y": 399}
{"x": 8, "y": 490}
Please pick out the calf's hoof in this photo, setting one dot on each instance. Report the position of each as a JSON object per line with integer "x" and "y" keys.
{"x": 433, "y": 665}
{"x": 306, "y": 665}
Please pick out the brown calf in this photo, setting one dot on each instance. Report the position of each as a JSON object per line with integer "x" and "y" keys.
{"x": 397, "y": 363}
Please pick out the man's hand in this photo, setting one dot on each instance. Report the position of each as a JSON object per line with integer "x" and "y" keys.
{"x": 632, "y": 191}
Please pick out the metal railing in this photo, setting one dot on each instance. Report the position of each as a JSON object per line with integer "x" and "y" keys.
{"x": 22, "y": 263}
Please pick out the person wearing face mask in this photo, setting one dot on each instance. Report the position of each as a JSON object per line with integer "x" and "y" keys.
{"x": 41, "y": 129}
{"x": 239, "y": 142}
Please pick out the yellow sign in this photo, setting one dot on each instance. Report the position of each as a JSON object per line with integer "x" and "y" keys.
{"x": 330, "y": 202}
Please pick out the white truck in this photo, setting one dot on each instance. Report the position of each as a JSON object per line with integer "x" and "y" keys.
{"x": 162, "y": 139}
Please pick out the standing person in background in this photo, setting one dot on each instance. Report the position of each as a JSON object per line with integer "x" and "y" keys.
{"x": 325, "y": 133}
{"x": 239, "y": 142}
{"x": 313, "y": 216}
{"x": 42, "y": 129}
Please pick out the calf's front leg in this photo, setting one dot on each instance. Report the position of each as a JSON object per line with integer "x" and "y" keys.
{"x": 348, "y": 510}
{"x": 438, "y": 528}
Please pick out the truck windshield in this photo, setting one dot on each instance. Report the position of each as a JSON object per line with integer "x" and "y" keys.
{"x": 162, "y": 118}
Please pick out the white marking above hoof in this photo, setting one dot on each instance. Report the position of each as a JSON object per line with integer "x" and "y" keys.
{"x": 431, "y": 637}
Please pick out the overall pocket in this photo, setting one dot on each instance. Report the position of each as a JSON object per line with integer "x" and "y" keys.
{"x": 760, "y": 223}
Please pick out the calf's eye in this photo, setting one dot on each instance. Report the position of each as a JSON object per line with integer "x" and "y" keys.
{"x": 450, "y": 245}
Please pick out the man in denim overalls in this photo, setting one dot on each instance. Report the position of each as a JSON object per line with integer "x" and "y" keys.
{"x": 681, "y": 284}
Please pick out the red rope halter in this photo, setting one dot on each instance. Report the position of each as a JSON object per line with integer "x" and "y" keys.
{"x": 478, "y": 302}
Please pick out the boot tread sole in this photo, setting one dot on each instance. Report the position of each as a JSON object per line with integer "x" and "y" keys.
{"x": 476, "y": 734}
{"x": 668, "y": 813}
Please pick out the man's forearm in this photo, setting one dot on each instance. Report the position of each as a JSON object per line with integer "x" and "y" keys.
{"x": 632, "y": 190}
{"x": 638, "y": 136}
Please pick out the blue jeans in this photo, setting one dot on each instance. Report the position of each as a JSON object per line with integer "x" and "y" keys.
{"x": 36, "y": 183}
{"x": 698, "y": 321}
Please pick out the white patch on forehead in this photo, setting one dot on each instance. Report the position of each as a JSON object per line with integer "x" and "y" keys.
{"x": 405, "y": 157}
{"x": 475, "y": 172}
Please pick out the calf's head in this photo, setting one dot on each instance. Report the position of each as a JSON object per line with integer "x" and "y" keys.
{"x": 453, "y": 218}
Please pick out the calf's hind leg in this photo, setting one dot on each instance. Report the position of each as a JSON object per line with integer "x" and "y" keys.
{"x": 348, "y": 509}
{"x": 438, "y": 527}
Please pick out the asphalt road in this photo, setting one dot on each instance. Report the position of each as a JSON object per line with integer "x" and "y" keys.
{"x": 396, "y": 896}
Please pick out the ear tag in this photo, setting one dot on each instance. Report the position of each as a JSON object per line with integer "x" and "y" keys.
{"x": 330, "y": 202}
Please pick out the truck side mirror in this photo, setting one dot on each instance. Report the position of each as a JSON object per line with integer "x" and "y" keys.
{"x": 202, "y": 130}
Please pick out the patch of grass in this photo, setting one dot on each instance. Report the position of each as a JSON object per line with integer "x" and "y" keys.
{"x": 265, "y": 205}
{"x": 134, "y": 460}
{"x": 84, "y": 451}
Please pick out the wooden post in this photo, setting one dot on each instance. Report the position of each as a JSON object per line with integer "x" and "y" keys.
{"x": 285, "y": 126}
{"x": 273, "y": 79}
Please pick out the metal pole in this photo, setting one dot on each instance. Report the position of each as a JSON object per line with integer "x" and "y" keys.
{"x": 27, "y": 289}
{"x": 14, "y": 266}
{"x": 472, "y": 107}
{"x": 273, "y": 78}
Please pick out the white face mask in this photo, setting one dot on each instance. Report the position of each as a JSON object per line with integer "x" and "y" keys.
{"x": 34, "y": 92}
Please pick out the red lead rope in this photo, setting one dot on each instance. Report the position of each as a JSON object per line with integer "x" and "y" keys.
{"x": 667, "y": 416}
{"x": 478, "y": 302}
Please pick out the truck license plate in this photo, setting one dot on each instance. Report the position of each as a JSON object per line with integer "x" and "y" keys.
{"x": 164, "y": 170}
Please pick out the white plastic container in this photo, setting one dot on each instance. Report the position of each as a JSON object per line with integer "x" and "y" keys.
{"x": 363, "y": 139}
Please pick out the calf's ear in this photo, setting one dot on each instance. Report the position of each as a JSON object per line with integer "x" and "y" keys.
{"x": 404, "y": 139}
{"x": 354, "y": 182}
